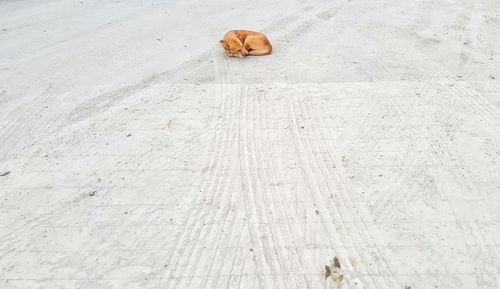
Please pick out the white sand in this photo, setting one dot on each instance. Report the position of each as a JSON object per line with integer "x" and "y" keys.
{"x": 139, "y": 156}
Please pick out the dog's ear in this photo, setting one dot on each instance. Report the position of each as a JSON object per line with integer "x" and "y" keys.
{"x": 223, "y": 43}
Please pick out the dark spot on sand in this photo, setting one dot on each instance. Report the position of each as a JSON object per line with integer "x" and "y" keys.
{"x": 327, "y": 271}
{"x": 336, "y": 262}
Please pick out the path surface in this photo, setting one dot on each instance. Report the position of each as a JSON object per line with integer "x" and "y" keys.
{"x": 134, "y": 154}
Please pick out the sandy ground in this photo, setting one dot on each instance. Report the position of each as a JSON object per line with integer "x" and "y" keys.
{"x": 134, "y": 154}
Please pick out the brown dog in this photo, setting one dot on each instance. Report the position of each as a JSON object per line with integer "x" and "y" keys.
{"x": 239, "y": 43}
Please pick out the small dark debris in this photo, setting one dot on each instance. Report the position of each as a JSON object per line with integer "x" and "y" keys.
{"x": 3, "y": 174}
{"x": 492, "y": 77}
{"x": 336, "y": 262}
{"x": 129, "y": 135}
{"x": 302, "y": 127}
{"x": 126, "y": 213}
{"x": 251, "y": 249}
{"x": 407, "y": 287}
{"x": 327, "y": 272}
{"x": 92, "y": 193}
{"x": 317, "y": 212}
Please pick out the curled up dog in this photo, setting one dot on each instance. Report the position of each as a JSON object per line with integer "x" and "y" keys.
{"x": 240, "y": 43}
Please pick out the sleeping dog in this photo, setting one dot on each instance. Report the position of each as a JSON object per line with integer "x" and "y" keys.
{"x": 240, "y": 43}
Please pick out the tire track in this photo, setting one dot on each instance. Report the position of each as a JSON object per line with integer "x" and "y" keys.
{"x": 308, "y": 171}
{"x": 326, "y": 219}
{"x": 193, "y": 224}
{"x": 341, "y": 186}
{"x": 266, "y": 158}
{"x": 24, "y": 122}
{"x": 237, "y": 94}
{"x": 254, "y": 219}
{"x": 269, "y": 206}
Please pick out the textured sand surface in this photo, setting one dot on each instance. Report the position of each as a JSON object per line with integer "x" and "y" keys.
{"x": 135, "y": 154}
